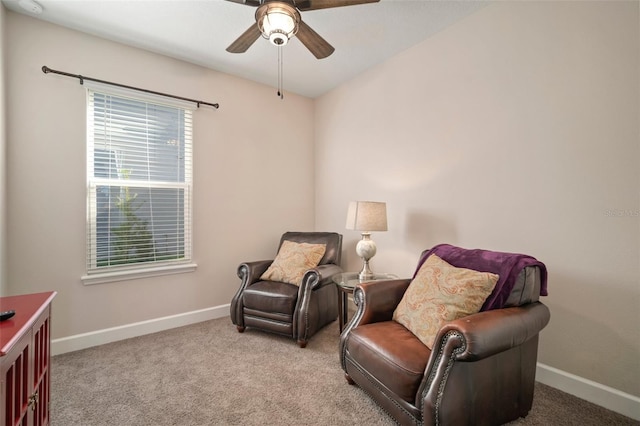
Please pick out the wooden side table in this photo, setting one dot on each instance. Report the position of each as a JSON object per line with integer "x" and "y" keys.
{"x": 346, "y": 283}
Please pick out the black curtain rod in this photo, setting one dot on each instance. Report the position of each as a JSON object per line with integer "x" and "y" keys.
{"x": 46, "y": 70}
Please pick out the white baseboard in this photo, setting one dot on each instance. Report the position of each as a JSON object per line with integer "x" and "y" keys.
{"x": 596, "y": 393}
{"x": 108, "y": 335}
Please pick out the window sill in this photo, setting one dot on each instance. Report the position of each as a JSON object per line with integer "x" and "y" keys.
{"x": 134, "y": 274}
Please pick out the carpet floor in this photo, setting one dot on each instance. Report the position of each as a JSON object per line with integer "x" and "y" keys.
{"x": 209, "y": 374}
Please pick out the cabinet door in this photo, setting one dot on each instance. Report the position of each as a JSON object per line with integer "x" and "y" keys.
{"x": 41, "y": 370}
{"x": 16, "y": 383}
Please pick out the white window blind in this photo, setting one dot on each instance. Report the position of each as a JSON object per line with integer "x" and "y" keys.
{"x": 139, "y": 186}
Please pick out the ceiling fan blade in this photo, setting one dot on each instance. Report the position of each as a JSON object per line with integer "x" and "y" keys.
{"x": 325, "y": 4}
{"x": 312, "y": 41}
{"x": 247, "y": 2}
{"x": 245, "y": 41}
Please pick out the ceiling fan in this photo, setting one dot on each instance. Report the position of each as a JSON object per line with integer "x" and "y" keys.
{"x": 279, "y": 20}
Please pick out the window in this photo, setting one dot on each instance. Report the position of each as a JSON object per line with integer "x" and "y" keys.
{"x": 139, "y": 185}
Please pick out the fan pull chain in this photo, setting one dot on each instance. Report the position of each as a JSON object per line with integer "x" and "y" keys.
{"x": 280, "y": 91}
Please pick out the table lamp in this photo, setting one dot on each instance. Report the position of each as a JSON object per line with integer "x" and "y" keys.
{"x": 366, "y": 216}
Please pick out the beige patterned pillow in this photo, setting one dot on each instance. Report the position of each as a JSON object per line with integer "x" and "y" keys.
{"x": 293, "y": 260}
{"x": 440, "y": 293}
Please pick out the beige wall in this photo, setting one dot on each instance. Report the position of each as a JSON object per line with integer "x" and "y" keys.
{"x": 515, "y": 129}
{"x": 3, "y": 168}
{"x": 252, "y": 180}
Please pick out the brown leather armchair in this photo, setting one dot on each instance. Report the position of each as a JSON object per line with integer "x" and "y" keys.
{"x": 288, "y": 309}
{"x": 481, "y": 370}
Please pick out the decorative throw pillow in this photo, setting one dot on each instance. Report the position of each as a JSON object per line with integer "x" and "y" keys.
{"x": 293, "y": 260}
{"x": 440, "y": 293}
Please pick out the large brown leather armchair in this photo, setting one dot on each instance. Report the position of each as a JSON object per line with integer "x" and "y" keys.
{"x": 298, "y": 311}
{"x": 480, "y": 371}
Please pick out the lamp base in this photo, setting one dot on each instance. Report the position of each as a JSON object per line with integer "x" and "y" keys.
{"x": 365, "y": 274}
{"x": 366, "y": 249}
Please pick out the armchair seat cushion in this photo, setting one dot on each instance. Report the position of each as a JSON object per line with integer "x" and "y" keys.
{"x": 271, "y": 296}
{"x": 397, "y": 356}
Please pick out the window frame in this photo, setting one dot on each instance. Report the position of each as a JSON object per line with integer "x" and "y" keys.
{"x": 98, "y": 275}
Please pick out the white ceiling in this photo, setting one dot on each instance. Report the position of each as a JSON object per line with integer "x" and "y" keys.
{"x": 199, "y": 31}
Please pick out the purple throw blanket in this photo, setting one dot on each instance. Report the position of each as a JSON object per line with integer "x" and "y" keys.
{"x": 506, "y": 265}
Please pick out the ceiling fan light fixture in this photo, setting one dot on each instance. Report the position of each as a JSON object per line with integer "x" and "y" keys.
{"x": 278, "y": 22}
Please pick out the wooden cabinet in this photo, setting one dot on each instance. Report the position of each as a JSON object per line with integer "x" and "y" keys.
{"x": 25, "y": 360}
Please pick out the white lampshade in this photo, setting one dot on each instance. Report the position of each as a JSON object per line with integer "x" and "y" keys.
{"x": 367, "y": 216}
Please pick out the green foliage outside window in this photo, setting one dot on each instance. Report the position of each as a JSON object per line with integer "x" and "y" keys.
{"x": 132, "y": 241}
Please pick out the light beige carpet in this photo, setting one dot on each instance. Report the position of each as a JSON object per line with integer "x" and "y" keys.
{"x": 209, "y": 374}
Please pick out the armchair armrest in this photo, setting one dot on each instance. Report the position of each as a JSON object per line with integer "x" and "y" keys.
{"x": 317, "y": 284}
{"x": 250, "y": 272}
{"x": 490, "y": 332}
{"x": 320, "y": 275}
{"x": 376, "y": 300}
{"x": 473, "y": 338}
